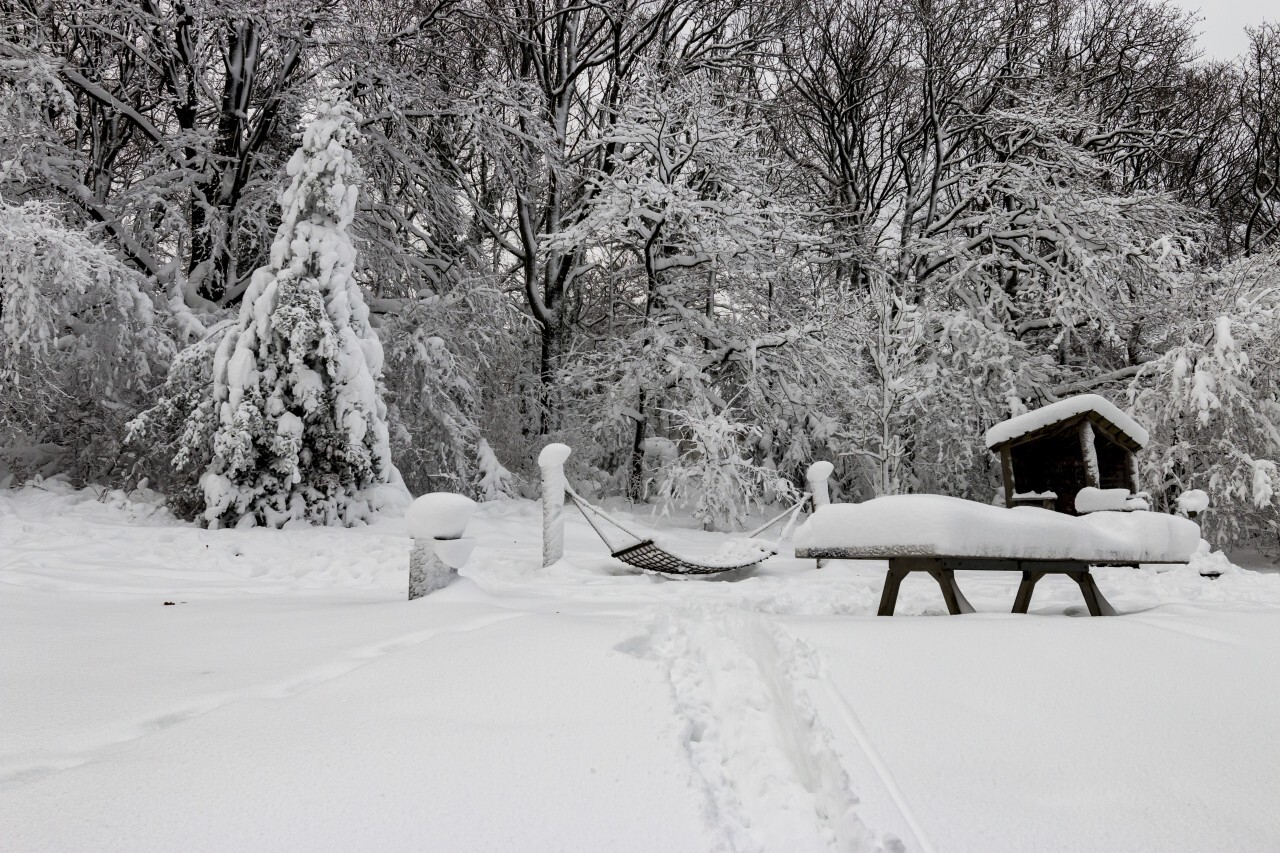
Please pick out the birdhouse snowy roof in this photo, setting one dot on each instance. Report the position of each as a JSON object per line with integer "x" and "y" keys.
{"x": 1098, "y": 409}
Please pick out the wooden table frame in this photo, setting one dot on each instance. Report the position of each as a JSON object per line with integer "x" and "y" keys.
{"x": 943, "y": 569}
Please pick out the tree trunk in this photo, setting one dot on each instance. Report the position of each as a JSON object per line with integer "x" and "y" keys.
{"x": 635, "y": 481}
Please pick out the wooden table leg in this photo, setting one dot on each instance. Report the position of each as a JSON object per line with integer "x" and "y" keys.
{"x": 956, "y": 602}
{"x": 889, "y": 598}
{"x": 1093, "y": 597}
{"x": 1025, "y": 590}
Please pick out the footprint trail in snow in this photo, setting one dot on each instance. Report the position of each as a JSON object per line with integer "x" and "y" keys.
{"x": 743, "y": 688}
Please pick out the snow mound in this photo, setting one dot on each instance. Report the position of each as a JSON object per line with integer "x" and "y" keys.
{"x": 1193, "y": 500}
{"x": 1090, "y": 499}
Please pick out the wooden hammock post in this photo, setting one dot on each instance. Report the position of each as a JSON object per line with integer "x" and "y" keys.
{"x": 816, "y": 478}
{"x": 819, "y": 489}
{"x": 551, "y": 462}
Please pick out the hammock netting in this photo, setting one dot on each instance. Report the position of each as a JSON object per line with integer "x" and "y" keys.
{"x": 648, "y": 556}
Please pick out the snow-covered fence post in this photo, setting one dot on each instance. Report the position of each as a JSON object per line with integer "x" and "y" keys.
{"x": 551, "y": 461}
{"x": 819, "y": 489}
{"x": 1193, "y": 502}
{"x": 436, "y": 522}
{"x": 816, "y": 478}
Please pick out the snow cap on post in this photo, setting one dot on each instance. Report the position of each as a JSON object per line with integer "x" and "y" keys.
{"x": 439, "y": 515}
{"x": 816, "y": 477}
{"x": 553, "y": 455}
{"x": 1193, "y": 501}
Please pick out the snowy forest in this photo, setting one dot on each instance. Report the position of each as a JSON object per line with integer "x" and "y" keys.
{"x": 297, "y": 260}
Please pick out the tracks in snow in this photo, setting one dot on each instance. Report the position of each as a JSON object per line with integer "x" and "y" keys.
{"x": 26, "y": 768}
{"x": 743, "y": 688}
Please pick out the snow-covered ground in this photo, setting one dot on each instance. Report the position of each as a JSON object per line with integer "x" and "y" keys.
{"x": 291, "y": 699}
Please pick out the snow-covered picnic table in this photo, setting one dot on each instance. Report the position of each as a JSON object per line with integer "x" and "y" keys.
{"x": 941, "y": 535}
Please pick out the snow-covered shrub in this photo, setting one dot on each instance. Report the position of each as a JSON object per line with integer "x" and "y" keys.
{"x": 714, "y": 477}
{"x": 493, "y": 480}
{"x": 173, "y": 439}
{"x": 302, "y": 431}
{"x": 80, "y": 343}
{"x": 1212, "y": 405}
{"x": 436, "y": 354}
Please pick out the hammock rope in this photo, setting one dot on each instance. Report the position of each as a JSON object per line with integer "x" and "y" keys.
{"x": 645, "y": 554}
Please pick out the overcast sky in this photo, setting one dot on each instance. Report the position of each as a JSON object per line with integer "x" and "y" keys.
{"x": 1223, "y": 21}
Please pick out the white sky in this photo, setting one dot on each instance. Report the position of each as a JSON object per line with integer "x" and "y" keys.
{"x": 1223, "y": 21}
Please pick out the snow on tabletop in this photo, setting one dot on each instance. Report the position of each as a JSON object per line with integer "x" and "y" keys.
{"x": 1060, "y": 411}
{"x": 439, "y": 515}
{"x": 935, "y": 525}
{"x": 1090, "y": 499}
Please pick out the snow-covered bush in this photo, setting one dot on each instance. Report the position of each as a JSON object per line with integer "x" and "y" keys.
{"x": 1212, "y": 404}
{"x": 173, "y": 439}
{"x": 714, "y": 477}
{"x": 80, "y": 343}
{"x": 440, "y": 418}
{"x": 302, "y": 431}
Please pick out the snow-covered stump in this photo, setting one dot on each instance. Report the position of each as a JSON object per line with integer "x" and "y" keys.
{"x": 551, "y": 462}
{"x": 819, "y": 489}
{"x": 436, "y": 522}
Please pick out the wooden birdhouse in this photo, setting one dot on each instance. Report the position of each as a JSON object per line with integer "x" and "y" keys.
{"x": 1049, "y": 454}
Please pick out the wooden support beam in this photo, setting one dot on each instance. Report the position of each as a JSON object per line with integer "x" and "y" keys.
{"x": 1006, "y": 469}
{"x": 1026, "y": 589}
{"x": 1089, "y": 453}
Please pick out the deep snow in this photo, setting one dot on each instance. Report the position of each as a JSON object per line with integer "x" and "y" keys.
{"x": 291, "y": 699}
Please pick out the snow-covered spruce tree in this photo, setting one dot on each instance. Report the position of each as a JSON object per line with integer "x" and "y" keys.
{"x": 302, "y": 431}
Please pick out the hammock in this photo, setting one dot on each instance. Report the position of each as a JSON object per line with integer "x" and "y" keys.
{"x": 647, "y": 555}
